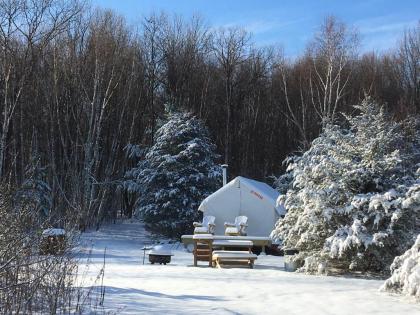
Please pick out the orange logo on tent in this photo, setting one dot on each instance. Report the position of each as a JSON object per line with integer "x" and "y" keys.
{"x": 257, "y": 194}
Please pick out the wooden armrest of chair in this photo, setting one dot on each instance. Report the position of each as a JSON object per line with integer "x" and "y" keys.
{"x": 228, "y": 224}
{"x": 197, "y": 224}
{"x": 243, "y": 224}
{"x": 212, "y": 226}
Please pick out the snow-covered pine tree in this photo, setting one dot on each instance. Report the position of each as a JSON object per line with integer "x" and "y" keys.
{"x": 405, "y": 269}
{"x": 177, "y": 173}
{"x": 345, "y": 204}
{"x": 35, "y": 192}
{"x": 129, "y": 185}
{"x": 405, "y": 278}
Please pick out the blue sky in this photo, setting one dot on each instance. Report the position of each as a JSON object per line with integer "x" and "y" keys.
{"x": 287, "y": 23}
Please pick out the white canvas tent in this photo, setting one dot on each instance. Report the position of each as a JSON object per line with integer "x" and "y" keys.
{"x": 244, "y": 196}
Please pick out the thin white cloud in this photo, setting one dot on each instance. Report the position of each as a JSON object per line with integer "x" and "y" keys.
{"x": 382, "y": 33}
{"x": 379, "y": 43}
{"x": 257, "y": 27}
{"x": 383, "y": 24}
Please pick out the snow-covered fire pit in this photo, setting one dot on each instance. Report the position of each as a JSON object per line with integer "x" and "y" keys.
{"x": 160, "y": 255}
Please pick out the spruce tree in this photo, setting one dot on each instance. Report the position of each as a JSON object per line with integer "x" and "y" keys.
{"x": 405, "y": 278}
{"x": 347, "y": 199}
{"x": 35, "y": 192}
{"x": 176, "y": 174}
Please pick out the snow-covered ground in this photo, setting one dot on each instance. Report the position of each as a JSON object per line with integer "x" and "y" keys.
{"x": 181, "y": 288}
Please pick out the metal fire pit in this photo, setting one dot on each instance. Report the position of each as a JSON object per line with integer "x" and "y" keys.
{"x": 159, "y": 259}
{"x": 160, "y": 255}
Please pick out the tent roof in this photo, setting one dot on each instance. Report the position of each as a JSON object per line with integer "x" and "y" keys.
{"x": 270, "y": 195}
{"x": 260, "y": 186}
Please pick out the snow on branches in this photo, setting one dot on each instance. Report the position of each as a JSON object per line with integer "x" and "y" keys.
{"x": 405, "y": 276}
{"x": 35, "y": 192}
{"x": 350, "y": 201}
{"x": 177, "y": 173}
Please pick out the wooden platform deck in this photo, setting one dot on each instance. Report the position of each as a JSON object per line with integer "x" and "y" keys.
{"x": 256, "y": 240}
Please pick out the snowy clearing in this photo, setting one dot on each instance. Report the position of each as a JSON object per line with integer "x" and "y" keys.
{"x": 180, "y": 288}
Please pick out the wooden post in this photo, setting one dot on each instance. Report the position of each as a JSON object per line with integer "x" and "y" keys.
{"x": 203, "y": 250}
{"x": 210, "y": 244}
{"x": 195, "y": 253}
{"x": 263, "y": 251}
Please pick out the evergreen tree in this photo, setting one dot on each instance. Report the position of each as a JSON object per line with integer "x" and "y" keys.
{"x": 177, "y": 173}
{"x": 35, "y": 192}
{"x": 405, "y": 278}
{"x": 347, "y": 200}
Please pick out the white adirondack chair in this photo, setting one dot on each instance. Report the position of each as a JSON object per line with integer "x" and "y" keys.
{"x": 237, "y": 228}
{"x": 205, "y": 227}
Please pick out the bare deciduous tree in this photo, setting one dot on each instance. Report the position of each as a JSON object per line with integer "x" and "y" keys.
{"x": 408, "y": 67}
{"x": 26, "y": 28}
{"x": 333, "y": 48}
{"x": 230, "y": 49}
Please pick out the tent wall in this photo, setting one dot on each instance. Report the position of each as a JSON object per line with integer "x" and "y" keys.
{"x": 225, "y": 207}
{"x": 261, "y": 218}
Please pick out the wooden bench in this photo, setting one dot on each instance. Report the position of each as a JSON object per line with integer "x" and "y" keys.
{"x": 225, "y": 257}
{"x": 242, "y": 244}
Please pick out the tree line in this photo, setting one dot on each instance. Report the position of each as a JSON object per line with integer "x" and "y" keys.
{"x": 78, "y": 86}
